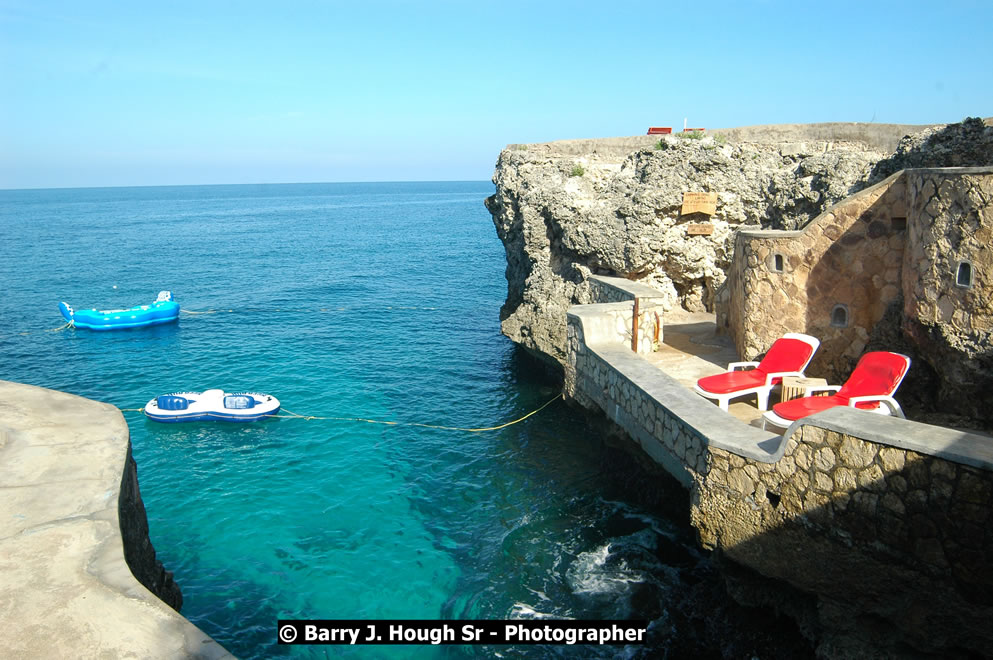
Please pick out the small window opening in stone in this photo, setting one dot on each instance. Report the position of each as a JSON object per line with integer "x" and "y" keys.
{"x": 899, "y": 224}
{"x": 777, "y": 263}
{"x": 963, "y": 277}
{"x": 839, "y": 316}
{"x": 774, "y": 498}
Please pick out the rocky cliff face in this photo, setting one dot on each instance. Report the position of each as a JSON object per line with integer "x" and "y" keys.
{"x": 566, "y": 210}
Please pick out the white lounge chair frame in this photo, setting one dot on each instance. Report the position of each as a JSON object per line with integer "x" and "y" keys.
{"x": 887, "y": 404}
{"x": 761, "y": 392}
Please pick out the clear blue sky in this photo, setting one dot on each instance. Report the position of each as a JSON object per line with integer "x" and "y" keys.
{"x": 96, "y": 93}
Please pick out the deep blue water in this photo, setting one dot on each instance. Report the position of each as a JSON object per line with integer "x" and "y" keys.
{"x": 378, "y": 301}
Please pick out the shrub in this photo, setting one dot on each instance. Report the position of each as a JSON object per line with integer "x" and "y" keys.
{"x": 577, "y": 170}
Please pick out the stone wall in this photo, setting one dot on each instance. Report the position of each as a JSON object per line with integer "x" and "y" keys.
{"x": 885, "y": 524}
{"x": 949, "y": 322}
{"x": 671, "y": 424}
{"x": 896, "y": 245}
{"x": 878, "y": 532}
{"x": 849, "y": 258}
{"x": 651, "y": 307}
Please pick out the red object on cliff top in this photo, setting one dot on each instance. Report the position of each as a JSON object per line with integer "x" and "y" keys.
{"x": 659, "y": 130}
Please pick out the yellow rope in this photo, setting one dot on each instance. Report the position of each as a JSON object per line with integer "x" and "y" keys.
{"x": 293, "y": 415}
{"x": 31, "y": 332}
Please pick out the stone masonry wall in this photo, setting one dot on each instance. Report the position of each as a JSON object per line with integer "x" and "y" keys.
{"x": 651, "y": 307}
{"x": 849, "y": 257}
{"x": 894, "y": 247}
{"x": 590, "y": 381}
{"x": 907, "y": 535}
{"x": 948, "y": 322}
{"x": 886, "y": 523}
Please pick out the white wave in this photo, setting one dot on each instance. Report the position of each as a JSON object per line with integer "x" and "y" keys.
{"x": 525, "y": 611}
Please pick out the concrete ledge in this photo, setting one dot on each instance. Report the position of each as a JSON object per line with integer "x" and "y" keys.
{"x": 949, "y": 444}
{"x": 599, "y": 321}
{"x": 625, "y": 288}
{"x": 67, "y": 589}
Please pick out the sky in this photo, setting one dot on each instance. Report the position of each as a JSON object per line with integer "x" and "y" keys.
{"x": 123, "y": 93}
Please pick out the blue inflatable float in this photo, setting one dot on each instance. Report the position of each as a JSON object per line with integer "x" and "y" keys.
{"x": 163, "y": 310}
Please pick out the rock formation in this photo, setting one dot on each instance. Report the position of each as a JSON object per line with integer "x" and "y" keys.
{"x": 565, "y": 210}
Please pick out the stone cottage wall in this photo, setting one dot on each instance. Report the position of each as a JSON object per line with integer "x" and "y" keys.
{"x": 947, "y": 320}
{"x": 901, "y": 242}
{"x": 846, "y": 262}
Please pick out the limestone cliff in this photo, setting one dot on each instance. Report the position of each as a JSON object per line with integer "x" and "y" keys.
{"x": 565, "y": 210}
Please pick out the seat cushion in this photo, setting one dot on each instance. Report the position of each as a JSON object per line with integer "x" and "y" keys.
{"x": 172, "y": 402}
{"x": 732, "y": 381}
{"x": 239, "y": 402}
{"x": 808, "y": 405}
{"x": 798, "y": 408}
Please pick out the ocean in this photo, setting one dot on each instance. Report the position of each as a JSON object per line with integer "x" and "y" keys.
{"x": 374, "y": 302}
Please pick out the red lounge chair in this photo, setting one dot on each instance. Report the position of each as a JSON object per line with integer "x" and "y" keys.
{"x": 870, "y": 387}
{"x": 788, "y": 356}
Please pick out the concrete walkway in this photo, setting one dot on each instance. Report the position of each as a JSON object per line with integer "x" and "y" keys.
{"x": 66, "y": 590}
{"x": 691, "y": 350}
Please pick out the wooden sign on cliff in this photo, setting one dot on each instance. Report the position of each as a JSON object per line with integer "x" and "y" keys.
{"x": 699, "y": 202}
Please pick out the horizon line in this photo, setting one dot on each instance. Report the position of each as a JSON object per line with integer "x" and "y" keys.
{"x": 205, "y": 185}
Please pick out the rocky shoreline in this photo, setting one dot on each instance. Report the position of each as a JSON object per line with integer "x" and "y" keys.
{"x": 569, "y": 211}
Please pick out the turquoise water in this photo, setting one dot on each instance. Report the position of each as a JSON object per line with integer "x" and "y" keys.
{"x": 377, "y": 301}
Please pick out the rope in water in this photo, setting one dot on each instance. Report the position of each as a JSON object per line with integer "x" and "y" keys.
{"x": 293, "y": 415}
{"x": 61, "y": 327}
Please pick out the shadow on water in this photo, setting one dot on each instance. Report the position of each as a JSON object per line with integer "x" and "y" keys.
{"x": 616, "y": 544}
